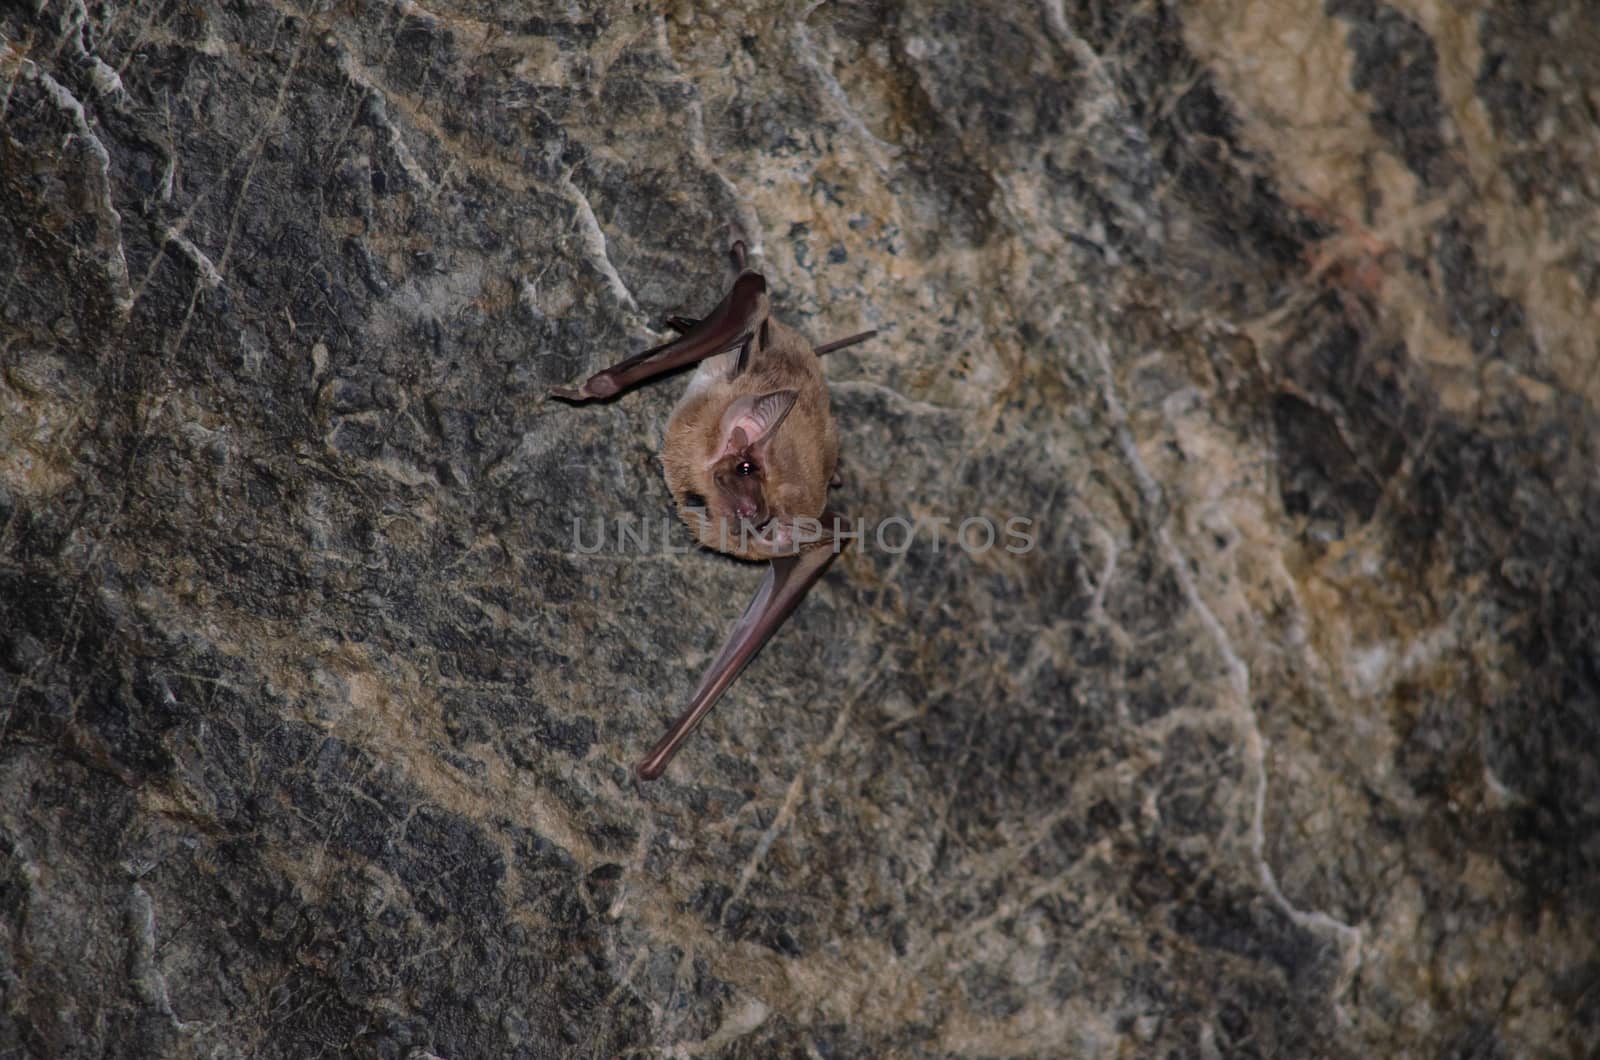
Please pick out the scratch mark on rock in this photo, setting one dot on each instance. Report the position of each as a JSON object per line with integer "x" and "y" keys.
{"x": 791, "y": 798}
{"x": 377, "y": 105}
{"x": 255, "y": 147}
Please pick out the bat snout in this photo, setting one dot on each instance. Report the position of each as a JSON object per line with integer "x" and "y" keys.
{"x": 746, "y": 502}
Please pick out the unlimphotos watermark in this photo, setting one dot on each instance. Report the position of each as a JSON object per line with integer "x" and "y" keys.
{"x": 974, "y": 535}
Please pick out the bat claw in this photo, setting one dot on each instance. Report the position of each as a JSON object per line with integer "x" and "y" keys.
{"x": 596, "y": 386}
{"x": 738, "y": 244}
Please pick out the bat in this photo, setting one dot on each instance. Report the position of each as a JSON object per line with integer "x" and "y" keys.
{"x": 749, "y": 454}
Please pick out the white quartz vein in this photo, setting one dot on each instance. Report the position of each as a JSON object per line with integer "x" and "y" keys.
{"x": 209, "y": 276}
{"x": 147, "y": 977}
{"x": 594, "y": 241}
{"x": 1238, "y": 673}
{"x": 110, "y": 236}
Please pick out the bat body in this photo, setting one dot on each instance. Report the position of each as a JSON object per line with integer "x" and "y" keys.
{"x": 749, "y": 453}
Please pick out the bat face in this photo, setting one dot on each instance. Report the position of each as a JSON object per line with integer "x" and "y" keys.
{"x": 748, "y": 455}
{"x": 749, "y": 430}
{"x": 737, "y": 455}
{"x": 724, "y": 503}
{"x": 739, "y": 480}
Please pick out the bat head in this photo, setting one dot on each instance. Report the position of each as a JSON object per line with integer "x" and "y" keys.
{"x": 741, "y": 467}
{"x": 734, "y": 486}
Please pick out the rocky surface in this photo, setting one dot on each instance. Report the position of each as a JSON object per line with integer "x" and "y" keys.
{"x": 1277, "y": 320}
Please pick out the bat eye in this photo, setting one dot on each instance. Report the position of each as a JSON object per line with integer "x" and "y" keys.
{"x": 694, "y": 500}
{"x": 745, "y": 469}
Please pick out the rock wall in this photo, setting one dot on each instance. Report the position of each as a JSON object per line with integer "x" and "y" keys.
{"x": 1276, "y": 321}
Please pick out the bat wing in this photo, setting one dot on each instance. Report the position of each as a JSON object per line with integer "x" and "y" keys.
{"x": 784, "y": 586}
{"x": 735, "y": 322}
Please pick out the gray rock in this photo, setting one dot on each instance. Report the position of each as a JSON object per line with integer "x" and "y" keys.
{"x": 1274, "y": 321}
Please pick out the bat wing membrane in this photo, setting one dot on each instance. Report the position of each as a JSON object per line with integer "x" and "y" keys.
{"x": 785, "y": 584}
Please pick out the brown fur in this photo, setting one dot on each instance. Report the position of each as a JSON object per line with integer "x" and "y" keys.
{"x": 799, "y": 458}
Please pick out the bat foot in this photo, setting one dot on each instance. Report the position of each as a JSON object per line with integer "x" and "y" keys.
{"x": 738, "y": 242}
{"x": 848, "y": 340}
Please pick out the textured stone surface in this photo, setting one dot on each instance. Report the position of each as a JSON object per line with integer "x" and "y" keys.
{"x": 1278, "y": 319}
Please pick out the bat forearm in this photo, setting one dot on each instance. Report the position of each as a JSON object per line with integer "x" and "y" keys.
{"x": 734, "y": 322}
{"x": 786, "y": 583}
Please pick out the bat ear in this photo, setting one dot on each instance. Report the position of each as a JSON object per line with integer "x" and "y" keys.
{"x": 769, "y": 411}
{"x": 754, "y": 421}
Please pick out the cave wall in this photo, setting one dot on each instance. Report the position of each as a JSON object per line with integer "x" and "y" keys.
{"x": 1275, "y": 321}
